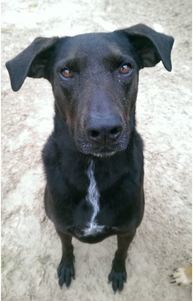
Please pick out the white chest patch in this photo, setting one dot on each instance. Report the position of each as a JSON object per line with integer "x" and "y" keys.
{"x": 92, "y": 197}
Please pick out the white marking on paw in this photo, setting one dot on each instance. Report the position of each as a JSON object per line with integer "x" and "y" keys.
{"x": 180, "y": 276}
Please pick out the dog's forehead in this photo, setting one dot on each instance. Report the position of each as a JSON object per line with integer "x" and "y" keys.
{"x": 94, "y": 44}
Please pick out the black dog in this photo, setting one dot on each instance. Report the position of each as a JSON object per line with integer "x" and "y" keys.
{"x": 94, "y": 157}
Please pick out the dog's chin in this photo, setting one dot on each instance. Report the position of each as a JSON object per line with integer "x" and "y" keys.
{"x": 101, "y": 153}
{"x": 106, "y": 150}
{"x": 103, "y": 150}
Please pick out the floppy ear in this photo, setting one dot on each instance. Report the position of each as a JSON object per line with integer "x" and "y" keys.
{"x": 151, "y": 45}
{"x": 30, "y": 62}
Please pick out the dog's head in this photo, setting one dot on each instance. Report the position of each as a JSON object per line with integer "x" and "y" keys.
{"x": 94, "y": 79}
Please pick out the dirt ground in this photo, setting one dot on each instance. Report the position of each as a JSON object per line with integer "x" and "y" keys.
{"x": 30, "y": 247}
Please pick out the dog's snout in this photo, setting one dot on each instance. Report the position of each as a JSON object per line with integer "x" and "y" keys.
{"x": 104, "y": 130}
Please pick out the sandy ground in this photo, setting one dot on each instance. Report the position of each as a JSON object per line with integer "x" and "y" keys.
{"x": 30, "y": 247}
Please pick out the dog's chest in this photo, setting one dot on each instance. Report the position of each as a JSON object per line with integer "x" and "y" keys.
{"x": 93, "y": 200}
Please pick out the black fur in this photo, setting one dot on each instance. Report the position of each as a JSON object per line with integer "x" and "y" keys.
{"x": 94, "y": 79}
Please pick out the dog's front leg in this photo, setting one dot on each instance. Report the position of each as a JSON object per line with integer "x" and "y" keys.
{"x": 66, "y": 267}
{"x": 118, "y": 274}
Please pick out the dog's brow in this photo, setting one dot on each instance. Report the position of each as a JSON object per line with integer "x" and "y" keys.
{"x": 111, "y": 58}
{"x": 115, "y": 55}
{"x": 114, "y": 50}
{"x": 72, "y": 60}
{"x": 115, "y": 59}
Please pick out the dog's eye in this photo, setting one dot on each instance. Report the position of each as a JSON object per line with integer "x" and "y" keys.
{"x": 125, "y": 69}
{"x": 66, "y": 72}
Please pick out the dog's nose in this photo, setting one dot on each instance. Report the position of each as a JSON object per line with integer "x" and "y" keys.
{"x": 104, "y": 130}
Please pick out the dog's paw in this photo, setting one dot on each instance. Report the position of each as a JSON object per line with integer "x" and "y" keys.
{"x": 66, "y": 273}
{"x": 182, "y": 276}
{"x": 117, "y": 278}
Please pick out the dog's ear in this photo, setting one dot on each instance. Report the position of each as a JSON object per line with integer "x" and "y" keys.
{"x": 30, "y": 62}
{"x": 151, "y": 45}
